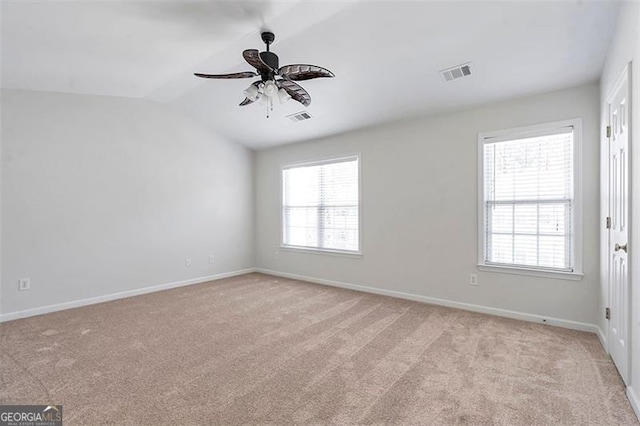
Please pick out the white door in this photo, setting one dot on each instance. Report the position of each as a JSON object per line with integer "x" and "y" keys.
{"x": 618, "y": 135}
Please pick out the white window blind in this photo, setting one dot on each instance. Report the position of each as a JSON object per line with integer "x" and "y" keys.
{"x": 320, "y": 205}
{"x": 529, "y": 200}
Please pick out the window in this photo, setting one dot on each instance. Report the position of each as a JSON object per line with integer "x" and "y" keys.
{"x": 529, "y": 208}
{"x": 321, "y": 205}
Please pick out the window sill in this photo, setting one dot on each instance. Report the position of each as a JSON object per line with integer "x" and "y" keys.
{"x": 571, "y": 276}
{"x": 311, "y": 250}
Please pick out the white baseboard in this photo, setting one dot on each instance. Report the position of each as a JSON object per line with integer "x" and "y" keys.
{"x": 392, "y": 293}
{"x": 633, "y": 399}
{"x": 603, "y": 339}
{"x": 442, "y": 302}
{"x": 114, "y": 296}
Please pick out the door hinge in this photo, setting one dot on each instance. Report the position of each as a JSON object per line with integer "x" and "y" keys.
{"x": 607, "y": 313}
{"x": 608, "y": 131}
{"x": 608, "y": 223}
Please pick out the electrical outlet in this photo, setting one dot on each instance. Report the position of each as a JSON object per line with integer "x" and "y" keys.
{"x": 187, "y": 261}
{"x": 212, "y": 258}
{"x": 24, "y": 284}
{"x": 473, "y": 279}
{"x": 277, "y": 255}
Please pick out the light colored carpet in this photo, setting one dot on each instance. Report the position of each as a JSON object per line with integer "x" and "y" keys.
{"x": 260, "y": 349}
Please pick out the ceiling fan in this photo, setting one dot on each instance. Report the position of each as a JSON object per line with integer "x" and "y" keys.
{"x": 275, "y": 82}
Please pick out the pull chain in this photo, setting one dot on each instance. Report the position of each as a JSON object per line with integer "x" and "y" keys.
{"x": 269, "y": 105}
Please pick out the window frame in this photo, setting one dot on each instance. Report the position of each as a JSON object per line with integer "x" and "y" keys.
{"x": 319, "y": 162}
{"x": 577, "y": 206}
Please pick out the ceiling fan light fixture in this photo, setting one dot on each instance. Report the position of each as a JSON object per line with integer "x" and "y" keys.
{"x": 283, "y": 96}
{"x": 270, "y": 89}
{"x": 251, "y": 92}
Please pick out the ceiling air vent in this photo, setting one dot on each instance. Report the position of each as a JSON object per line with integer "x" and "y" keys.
{"x": 299, "y": 116}
{"x": 459, "y": 71}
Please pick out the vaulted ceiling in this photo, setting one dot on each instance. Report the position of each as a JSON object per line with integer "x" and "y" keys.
{"x": 386, "y": 55}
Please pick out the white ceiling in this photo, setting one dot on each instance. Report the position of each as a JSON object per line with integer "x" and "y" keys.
{"x": 386, "y": 55}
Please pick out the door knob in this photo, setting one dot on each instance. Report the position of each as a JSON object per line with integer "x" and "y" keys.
{"x": 621, "y": 247}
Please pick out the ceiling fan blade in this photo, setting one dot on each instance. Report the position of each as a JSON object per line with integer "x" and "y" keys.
{"x": 244, "y": 74}
{"x": 252, "y": 56}
{"x": 304, "y": 72}
{"x": 295, "y": 91}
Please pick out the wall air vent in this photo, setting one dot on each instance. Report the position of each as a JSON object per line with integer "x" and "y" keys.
{"x": 454, "y": 73}
{"x": 299, "y": 116}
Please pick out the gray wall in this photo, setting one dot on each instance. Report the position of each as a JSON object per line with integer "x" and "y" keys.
{"x": 419, "y": 203}
{"x": 102, "y": 195}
